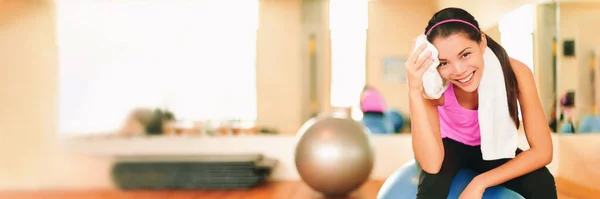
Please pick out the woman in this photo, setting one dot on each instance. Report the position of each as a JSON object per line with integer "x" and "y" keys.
{"x": 461, "y": 45}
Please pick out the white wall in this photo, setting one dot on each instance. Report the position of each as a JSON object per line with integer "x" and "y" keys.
{"x": 544, "y": 33}
{"x": 487, "y": 12}
{"x": 28, "y": 85}
{"x": 393, "y": 26}
{"x": 279, "y": 65}
{"x": 32, "y": 157}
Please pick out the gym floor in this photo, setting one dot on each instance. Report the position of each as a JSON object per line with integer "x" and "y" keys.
{"x": 275, "y": 190}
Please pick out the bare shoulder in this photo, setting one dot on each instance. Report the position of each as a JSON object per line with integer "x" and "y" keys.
{"x": 521, "y": 70}
{"x": 525, "y": 78}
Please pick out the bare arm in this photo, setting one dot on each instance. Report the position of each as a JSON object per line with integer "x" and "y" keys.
{"x": 536, "y": 130}
{"x": 426, "y": 139}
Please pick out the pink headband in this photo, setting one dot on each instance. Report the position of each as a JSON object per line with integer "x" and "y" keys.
{"x": 450, "y": 20}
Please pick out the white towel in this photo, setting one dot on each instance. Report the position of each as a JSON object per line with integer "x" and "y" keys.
{"x": 499, "y": 138}
{"x": 433, "y": 84}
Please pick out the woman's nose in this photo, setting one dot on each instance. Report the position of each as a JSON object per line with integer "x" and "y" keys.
{"x": 459, "y": 68}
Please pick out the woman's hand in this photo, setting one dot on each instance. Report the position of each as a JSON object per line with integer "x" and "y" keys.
{"x": 474, "y": 190}
{"x": 415, "y": 68}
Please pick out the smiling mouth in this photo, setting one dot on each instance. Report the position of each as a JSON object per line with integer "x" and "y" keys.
{"x": 466, "y": 79}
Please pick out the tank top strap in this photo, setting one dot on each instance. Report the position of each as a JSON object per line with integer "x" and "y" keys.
{"x": 450, "y": 97}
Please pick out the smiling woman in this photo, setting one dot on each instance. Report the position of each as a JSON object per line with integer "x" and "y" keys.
{"x": 450, "y": 134}
{"x": 466, "y": 64}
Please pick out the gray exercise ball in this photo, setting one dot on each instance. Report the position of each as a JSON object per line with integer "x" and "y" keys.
{"x": 334, "y": 155}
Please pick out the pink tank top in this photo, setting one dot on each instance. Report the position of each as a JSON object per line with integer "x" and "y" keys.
{"x": 458, "y": 123}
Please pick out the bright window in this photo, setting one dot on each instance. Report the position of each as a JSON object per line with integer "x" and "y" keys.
{"x": 194, "y": 57}
{"x": 516, "y": 34}
{"x": 348, "y": 25}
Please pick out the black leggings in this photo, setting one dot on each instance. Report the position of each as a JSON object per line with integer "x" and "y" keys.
{"x": 537, "y": 184}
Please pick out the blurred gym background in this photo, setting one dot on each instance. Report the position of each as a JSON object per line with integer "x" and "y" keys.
{"x": 90, "y": 87}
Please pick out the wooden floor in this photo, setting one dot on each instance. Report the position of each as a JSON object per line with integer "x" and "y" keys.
{"x": 569, "y": 190}
{"x": 274, "y": 190}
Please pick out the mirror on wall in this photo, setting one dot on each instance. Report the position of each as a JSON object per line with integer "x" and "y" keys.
{"x": 577, "y": 66}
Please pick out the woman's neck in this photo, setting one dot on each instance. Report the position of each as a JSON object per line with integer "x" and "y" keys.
{"x": 468, "y": 100}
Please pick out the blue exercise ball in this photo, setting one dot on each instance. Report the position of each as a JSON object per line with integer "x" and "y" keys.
{"x": 377, "y": 124}
{"x": 567, "y": 128}
{"x": 589, "y": 124}
{"x": 396, "y": 118}
{"x": 403, "y": 183}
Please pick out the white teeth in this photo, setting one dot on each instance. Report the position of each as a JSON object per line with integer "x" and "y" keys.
{"x": 466, "y": 79}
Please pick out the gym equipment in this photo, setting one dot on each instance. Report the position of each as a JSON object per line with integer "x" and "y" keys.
{"x": 377, "y": 123}
{"x": 567, "y": 128}
{"x": 371, "y": 100}
{"x": 396, "y": 118}
{"x": 191, "y": 172}
{"x": 589, "y": 124}
{"x": 389, "y": 122}
{"x": 404, "y": 181}
{"x": 333, "y": 155}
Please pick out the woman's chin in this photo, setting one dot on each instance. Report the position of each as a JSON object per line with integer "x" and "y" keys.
{"x": 468, "y": 87}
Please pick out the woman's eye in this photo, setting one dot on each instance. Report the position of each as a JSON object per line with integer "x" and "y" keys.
{"x": 443, "y": 63}
{"x": 466, "y": 55}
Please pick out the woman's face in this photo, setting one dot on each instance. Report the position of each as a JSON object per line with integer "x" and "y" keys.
{"x": 461, "y": 60}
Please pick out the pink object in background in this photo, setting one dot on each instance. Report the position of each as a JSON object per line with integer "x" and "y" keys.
{"x": 372, "y": 101}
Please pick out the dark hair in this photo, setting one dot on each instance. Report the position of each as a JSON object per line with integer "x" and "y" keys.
{"x": 474, "y": 33}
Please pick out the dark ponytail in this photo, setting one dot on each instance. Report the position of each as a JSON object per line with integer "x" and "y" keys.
{"x": 473, "y": 33}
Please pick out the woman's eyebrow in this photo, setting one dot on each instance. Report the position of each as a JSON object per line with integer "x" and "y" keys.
{"x": 461, "y": 52}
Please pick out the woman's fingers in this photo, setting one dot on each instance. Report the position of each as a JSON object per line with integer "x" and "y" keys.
{"x": 413, "y": 58}
{"x": 425, "y": 66}
{"x": 422, "y": 60}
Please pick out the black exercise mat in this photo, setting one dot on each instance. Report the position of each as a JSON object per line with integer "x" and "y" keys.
{"x": 172, "y": 177}
{"x": 163, "y": 183}
{"x": 242, "y": 159}
{"x": 198, "y": 171}
{"x": 196, "y": 186}
{"x": 261, "y": 166}
{"x": 166, "y": 180}
{"x": 192, "y": 172}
